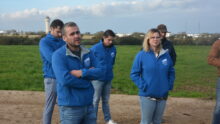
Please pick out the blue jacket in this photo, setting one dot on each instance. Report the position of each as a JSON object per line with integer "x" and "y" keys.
{"x": 73, "y": 91}
{"x": 47, "y": 46}
{"x": 154, "y": 76}
{"x": 107, "y": 55}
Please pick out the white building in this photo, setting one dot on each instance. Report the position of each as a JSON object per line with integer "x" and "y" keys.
{"x": 122, "y": 35}
{"x": 193, "y": 35}
{"x": 2, "y": 32}
{"x": 168, "y": 34}
{"x": 47, "y": 24}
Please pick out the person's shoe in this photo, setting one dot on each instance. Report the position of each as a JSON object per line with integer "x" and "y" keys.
{"x": 111, "y": 122}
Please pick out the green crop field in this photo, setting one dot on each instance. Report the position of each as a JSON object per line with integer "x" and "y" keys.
{"x": 20, "y": 69}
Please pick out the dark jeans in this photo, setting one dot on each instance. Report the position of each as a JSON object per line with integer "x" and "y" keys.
{"x": 216, "y": 114}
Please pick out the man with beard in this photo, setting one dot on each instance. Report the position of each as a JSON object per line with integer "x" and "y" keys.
{"x": 48, "y": 45}
{"x": 166, "y": 43}
{"x": 74, "y": 67}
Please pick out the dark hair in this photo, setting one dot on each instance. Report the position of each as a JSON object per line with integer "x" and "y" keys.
{"x": 109, "y": 33}
{"x": 57, "y": 23}
{"x": 162, "y": 28}
{"x": 68, "y": 24}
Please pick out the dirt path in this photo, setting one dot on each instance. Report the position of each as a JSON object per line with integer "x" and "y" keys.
{"x": 25, "y": 107}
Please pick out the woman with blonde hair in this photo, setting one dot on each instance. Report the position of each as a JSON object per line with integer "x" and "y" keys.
{"x": 154, "y": 75}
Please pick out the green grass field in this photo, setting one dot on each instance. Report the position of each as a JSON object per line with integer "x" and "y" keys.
{"x": 20, "y": 69}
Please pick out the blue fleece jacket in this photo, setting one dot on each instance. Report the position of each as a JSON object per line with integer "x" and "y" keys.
{"x": 47, "y": 46}
{"x": 107, "y": 55}
{"x": 154, "y": 76}
{"x": 73, "y": 91}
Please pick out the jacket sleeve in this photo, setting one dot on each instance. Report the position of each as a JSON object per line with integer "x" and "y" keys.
{"x": 63, "y": 75}
{"x": 115, "y": 56}
{"x": 171, "y": 77}
{"x": 173, "y": 54}
{"x": 46, "y": 50}
{"x": 171, "y": 73}
{"x": 168, "y": 45}
{"x": 214, "y": 55}
{"x": 136, "y": 71}
{"x": 96, "y": 71}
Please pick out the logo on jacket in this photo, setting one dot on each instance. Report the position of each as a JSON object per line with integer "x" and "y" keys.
{"x": 113, "y": 54}
{"x": 87, "y": 62}
{"x": 164, "y": 61}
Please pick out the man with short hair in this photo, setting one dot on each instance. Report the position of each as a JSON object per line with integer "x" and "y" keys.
{"x": 75, "y": 67}
{"x": 48, "y": 44}
{"x": 214, "y": 59}
{"x": 166, "y": 43}
{"x": 106, "y": 51}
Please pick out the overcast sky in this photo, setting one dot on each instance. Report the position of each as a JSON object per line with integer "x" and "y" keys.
{"x": 122, "y": 16}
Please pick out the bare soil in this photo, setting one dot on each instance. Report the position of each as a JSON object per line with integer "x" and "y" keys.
{"x": 26, "y": 107}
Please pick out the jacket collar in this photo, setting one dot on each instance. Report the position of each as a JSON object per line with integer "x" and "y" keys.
{"x": 83, "y": 52}
{"x": 102, "y": 44}
{"x": 49, "y": 35}
{"x": 162, "y": 52}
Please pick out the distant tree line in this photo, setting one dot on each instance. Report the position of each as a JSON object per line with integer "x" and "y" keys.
{"x": 133, "y": 39}
{"x": 177, "y": 39}
{"x": 19, "y": 40}
{"x": 202, "y": 39}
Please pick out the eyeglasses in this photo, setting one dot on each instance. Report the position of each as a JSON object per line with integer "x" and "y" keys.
{"x": 154, "y": 37}
{"x": 77, "y": 32}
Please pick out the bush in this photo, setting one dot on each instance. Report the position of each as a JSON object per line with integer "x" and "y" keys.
{"x": 129, "y": 40}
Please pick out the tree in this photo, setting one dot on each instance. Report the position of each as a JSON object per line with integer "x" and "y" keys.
{"x": 97, "y": 36}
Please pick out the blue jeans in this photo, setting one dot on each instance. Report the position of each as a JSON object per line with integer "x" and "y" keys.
{"x": 77, "y": 115}
{"x": 151, "y": 110}
{"x": 50, "y": 99}
{"x": 216, "y": 114}
{"x": 102, "y": 90}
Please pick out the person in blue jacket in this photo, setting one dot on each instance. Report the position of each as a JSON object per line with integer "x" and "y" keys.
{"x": 106, "y": 51}
{"x": 154, "y": 75}
{"x": 74, "y": 67}
{"x": 48, "y": 44}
